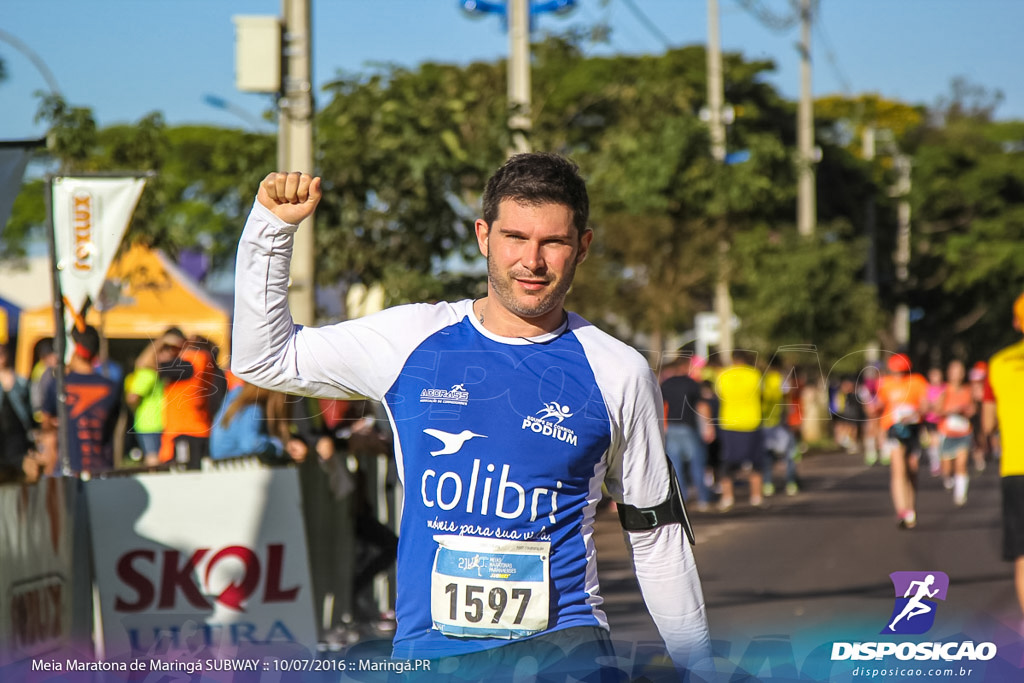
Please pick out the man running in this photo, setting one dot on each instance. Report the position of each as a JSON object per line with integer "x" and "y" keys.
{"x": 1006, "y": 374}
{"x": 537, "y": 408}
{"x": 901, "y": 403}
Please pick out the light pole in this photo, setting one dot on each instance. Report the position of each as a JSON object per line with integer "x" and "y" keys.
{"x": 716, "y": 125}
{"x": 295, "y": 145}
{"x": 274, "y": 55}
{"x": 807, "y": 210}
{"x": 518, "y": 16}
{"x": 254, "y": 122}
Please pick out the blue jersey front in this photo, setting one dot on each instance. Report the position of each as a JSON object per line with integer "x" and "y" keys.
{"x": 495, "y": 441}
{"x": 503, "y": 446}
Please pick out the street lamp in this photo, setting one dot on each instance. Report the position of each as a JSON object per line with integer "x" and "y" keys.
{"x": 518, "y": 19}
{"x": 216, "y": 102}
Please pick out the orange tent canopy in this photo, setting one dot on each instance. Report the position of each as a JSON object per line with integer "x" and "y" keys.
{"x": 154, "y": 294}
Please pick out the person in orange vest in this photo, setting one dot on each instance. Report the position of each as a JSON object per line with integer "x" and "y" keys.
{"x": 187, "y": 371}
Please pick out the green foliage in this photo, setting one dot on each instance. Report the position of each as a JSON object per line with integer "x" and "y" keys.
{"x": 204, "y": 182}
{"x": 72, "y": 132}
{"x": 804, "y": 290}
{"x": 968, "y": 197}
{"x": 659, "y": 201}
{"x": 404, "y": 155}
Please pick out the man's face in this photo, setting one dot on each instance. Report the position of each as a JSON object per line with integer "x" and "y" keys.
{"x": 167, "y": 352}
{"x": 532, "y": 252}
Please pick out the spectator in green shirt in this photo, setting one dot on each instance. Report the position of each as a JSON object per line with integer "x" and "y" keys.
{"x": 144, "y": 393}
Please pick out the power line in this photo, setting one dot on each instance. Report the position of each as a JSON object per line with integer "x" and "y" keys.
{"x": 604, "y": 23}
{"x": 830, "y": 55}
{"x": 648, "y": 24}
{"x": 775, "y": 22}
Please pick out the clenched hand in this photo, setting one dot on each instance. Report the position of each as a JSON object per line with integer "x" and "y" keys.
{"x": 292, "y": 197}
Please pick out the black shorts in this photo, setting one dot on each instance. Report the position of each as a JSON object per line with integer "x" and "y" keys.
{"x": 907, "y": 435}
{"x": 583, "y": 652}
{"x": 740, "y": 448}
{"x": 1013, "y": 517}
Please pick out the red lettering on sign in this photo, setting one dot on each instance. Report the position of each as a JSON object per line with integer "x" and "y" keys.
{"x": 181, "y": 577}
{"x": 275, "y": 564}
{"x": 236, "y": 593}
{"x": 176, "y": 575}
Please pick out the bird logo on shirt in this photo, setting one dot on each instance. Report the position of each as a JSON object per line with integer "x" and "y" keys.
{"x": 452, "y": 443}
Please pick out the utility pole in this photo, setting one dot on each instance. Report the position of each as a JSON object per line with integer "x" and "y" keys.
{"x": 519, "y": 74}
{"x": 870, "y": 212}
{"x": 295, "y": 146}
{"x": 806, "y": 212}
{"x": 519, "y": 20}
{"x": 901, "y": 320}
{"x": 716, "y": 98}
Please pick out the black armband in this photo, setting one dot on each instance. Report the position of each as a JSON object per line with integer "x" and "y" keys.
{"x": 671, "y": 511}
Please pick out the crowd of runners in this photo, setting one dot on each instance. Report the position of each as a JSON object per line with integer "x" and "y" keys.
{"x": 748, "y": 420}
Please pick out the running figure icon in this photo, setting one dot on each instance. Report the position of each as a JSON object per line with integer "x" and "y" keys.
{"x": 915, "y": 606}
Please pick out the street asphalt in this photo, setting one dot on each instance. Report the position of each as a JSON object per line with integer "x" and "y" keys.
{"x": 783, "y": 582}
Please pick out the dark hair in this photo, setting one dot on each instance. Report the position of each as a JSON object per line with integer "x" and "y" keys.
{"x": 744, "y": 356}
{"x": 539, "y": 178}
{"x": 44, "y": 347}
{"x": 88, "y": 339}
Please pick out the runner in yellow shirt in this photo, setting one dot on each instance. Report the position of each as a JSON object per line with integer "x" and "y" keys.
{"x": 739, "y": 421}
{"x": 1006, "y": 374}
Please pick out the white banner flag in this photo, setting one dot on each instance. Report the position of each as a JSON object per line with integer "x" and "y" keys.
{"x": 13, "y": 161}
{"x": 90, "y": 216}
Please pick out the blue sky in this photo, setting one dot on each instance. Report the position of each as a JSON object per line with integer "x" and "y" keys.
{"x": 126, "y": 58}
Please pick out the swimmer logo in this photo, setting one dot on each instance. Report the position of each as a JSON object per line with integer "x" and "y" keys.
{"x": 914, "y": 609}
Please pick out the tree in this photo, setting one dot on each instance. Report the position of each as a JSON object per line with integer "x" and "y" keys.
{"x": 660, "y": 202}
{"x": 796, "y": 290}
{"x": 202, "y": 188}
{"x": 404, "y": 155}
{"x": 968, "y": 200}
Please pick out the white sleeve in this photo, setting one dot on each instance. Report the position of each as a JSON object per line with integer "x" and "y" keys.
{"x": 662, "y": 557}
{"x": 356, "y": 358}
{"x": 638, "y": 474}
{"x": 667, "y": 574}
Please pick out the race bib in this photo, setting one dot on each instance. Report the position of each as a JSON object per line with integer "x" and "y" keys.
{"x": 489, "y": 588}
{"x": 956, "y": 425}
{"x": 905, "y": 414}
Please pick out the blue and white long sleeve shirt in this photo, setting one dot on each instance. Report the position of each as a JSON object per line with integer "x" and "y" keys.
{"x": 502, "y": 445}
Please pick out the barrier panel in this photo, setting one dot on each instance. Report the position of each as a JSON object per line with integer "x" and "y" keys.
{"x": 219, "y": 557}
{"x": 36, "y": 568}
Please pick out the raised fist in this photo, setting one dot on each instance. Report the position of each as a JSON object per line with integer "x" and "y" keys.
{"x": 292, "y": 197}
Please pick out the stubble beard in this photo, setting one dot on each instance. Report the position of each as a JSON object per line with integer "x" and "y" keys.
{"x": 502, "y": 284}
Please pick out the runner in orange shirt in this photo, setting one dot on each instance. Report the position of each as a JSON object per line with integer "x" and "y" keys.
{"x": 187, "y": 372}
{"x": 956, "y": 408}
{"x": 902, "y": 398}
